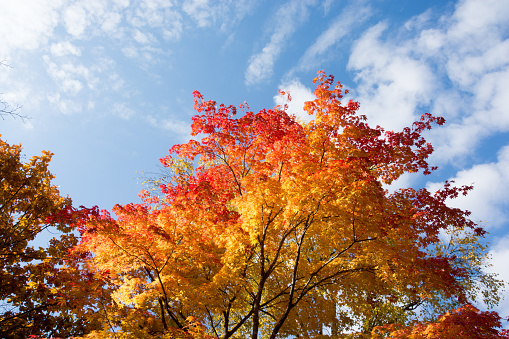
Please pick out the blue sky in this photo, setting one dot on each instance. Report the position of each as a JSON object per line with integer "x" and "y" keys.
{"x": 108, "y": 84}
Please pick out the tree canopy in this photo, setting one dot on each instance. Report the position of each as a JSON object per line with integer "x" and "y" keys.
{"x": 267, "y": 227}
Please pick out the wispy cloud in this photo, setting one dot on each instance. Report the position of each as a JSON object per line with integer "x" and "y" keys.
{"x": 64, "y": 105}
{"x": 139, "y": 25}
{"x": 223, "y": 12}
{"x": 177, "y": 127}
{"x": 288, "y": 17}
{"x": 162, "y": 15}
{"x": 76, "y": 82}
{"x": 70, "y": 77}
{"x": 64, "y": 48}
{"x": 350, "y": 18}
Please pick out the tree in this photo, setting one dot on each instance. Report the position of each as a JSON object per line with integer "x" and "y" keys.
{"x": 268, "y": 227}
{"x": 33, "y": 280}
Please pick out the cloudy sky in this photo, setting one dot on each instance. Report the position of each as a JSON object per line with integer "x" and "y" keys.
{"x": 108, "y": 83}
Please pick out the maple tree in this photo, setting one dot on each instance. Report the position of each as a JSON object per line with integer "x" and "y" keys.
{"x": 32, "y": 279}
{"x": 268, "y": 227}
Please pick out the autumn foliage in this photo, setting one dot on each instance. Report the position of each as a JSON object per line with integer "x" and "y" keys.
{"x": 465, "y": 322}
{"x": 268, "y": 227}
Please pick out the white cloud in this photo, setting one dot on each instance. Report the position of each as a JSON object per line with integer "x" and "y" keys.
{"x": 141, "y": 22}
{"x": 391, "y": 83}
{"x": 141, "y": 38}
{"x": 71, "y": 78}
{"x": 261, "y": 65}
{"x": 489, "y": 200}
{"x": 147, "y": 23}
{"x": 406, "y": 180}
{"x": 65, "y": 79}
{"x": 94, "y": 17}
{"x": 455, "y": 141}
{"x": 157, "y": 14}
{"x": 473, "y": 116}
{"x": 75, "y": 20}
{"x": 154, "y": 12}
{"x": 111, "y": 22}
{"x": 466, "y": 69}
{"x": 468, "y": 48}
{"x": 27, "y": 24}
{"x": 299, "y": 94}
{"x": 480, "y": 20}
{"x": 64, "y": 48}
{"x": 492, "y": 100}
{"x": 122, "y": 3}
{"x": 31, "y": 23}
{"x": 288, "y": 17}
{"x": 430, "y": 41}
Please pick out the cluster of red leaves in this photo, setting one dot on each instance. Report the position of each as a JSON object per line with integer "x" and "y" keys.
{"x": 71, "y": 215}
{"x": 466, "y": 322}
